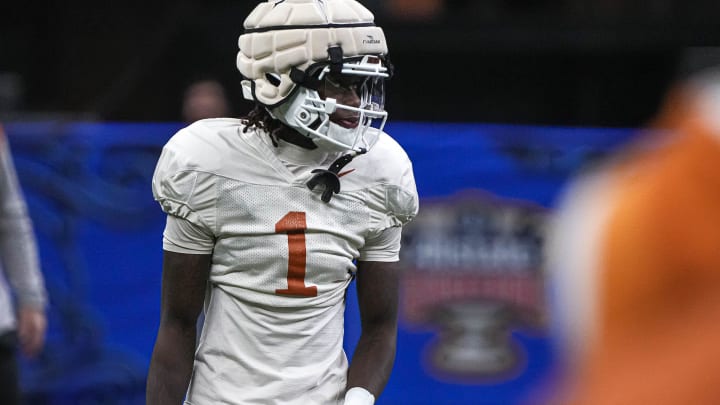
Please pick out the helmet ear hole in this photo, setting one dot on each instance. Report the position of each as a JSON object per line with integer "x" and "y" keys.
{"x": 273, "y": 79}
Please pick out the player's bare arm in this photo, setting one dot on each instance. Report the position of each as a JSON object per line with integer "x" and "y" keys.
{"x": 377, "y": 286}
{"x": 183, "y": 290}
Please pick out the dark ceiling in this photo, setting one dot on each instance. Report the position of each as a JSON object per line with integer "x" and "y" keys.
{"x": 602, "y": 63}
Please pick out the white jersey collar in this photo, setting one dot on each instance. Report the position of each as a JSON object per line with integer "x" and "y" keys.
{"x": 291, "y": 153}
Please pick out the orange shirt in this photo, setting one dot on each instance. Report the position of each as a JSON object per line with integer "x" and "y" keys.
{"x": 654, "y": 273}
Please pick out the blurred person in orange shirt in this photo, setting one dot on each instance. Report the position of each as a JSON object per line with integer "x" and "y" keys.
{"x": 634, "y": 263}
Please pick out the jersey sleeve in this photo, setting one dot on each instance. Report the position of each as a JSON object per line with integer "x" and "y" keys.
{"x": 182, "y": 236}
{"x": 383, "y": 247}
{"x": 184, "y": 188}
{"x": 397, "y": 197}
{"x": 402, "y": 198}
{"x": 394, "y": 203}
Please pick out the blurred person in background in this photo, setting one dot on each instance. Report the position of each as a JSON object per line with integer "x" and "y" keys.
{"x": 634, "y": 262}
{"x": 22, "y": 289}
{"x": 204, "y": 99}
{"x": 270, "y": 218}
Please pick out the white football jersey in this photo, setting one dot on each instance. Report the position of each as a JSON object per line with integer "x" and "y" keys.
{"x": 282, "y": 258}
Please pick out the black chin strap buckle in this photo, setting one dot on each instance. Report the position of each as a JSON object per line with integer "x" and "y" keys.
{"x": 329, "y": 177}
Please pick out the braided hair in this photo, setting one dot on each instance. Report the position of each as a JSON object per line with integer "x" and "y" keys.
{"x": 260, "y": 119}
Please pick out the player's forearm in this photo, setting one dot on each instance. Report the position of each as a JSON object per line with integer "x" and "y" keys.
{"x": 373, "y": 359}
{"x": 171, "y": 365}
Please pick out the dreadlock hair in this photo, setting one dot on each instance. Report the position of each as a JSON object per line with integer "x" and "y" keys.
{"x": 260, "y": 118}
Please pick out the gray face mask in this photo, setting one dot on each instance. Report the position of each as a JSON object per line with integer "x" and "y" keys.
{"x": 361, "y": 137}
{"x": 308, "y": 114}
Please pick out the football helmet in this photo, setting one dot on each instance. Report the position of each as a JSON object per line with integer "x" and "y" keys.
{"x": 298, "y": 58}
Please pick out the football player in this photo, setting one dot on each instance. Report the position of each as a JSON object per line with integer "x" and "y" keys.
{"x": 270, "y": 217}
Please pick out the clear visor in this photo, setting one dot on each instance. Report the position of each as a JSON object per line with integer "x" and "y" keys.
{"x": 360, "y": 84}
{"x": 346, "y": 105}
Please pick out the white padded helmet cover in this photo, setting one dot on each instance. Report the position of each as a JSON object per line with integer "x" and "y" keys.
{"x": 271, "y": 45}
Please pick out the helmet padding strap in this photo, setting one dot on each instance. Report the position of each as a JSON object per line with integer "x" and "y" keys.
{"x": 335, "y": 53}
{"x": 304, "y": 79}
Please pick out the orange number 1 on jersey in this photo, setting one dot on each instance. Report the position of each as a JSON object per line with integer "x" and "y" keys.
{"x": 294, "y": 225}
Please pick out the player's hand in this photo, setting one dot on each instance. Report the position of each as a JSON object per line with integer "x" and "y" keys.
{"x": 32, "y": 325}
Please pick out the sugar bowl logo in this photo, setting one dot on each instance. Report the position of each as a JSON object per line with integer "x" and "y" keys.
{"x": 472, "y": 273}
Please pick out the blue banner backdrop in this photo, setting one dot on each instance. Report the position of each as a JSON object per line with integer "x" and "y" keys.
{"x": 472, "y": 316}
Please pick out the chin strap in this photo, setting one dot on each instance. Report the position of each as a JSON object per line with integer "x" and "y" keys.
{"x": 329, "y": 177}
